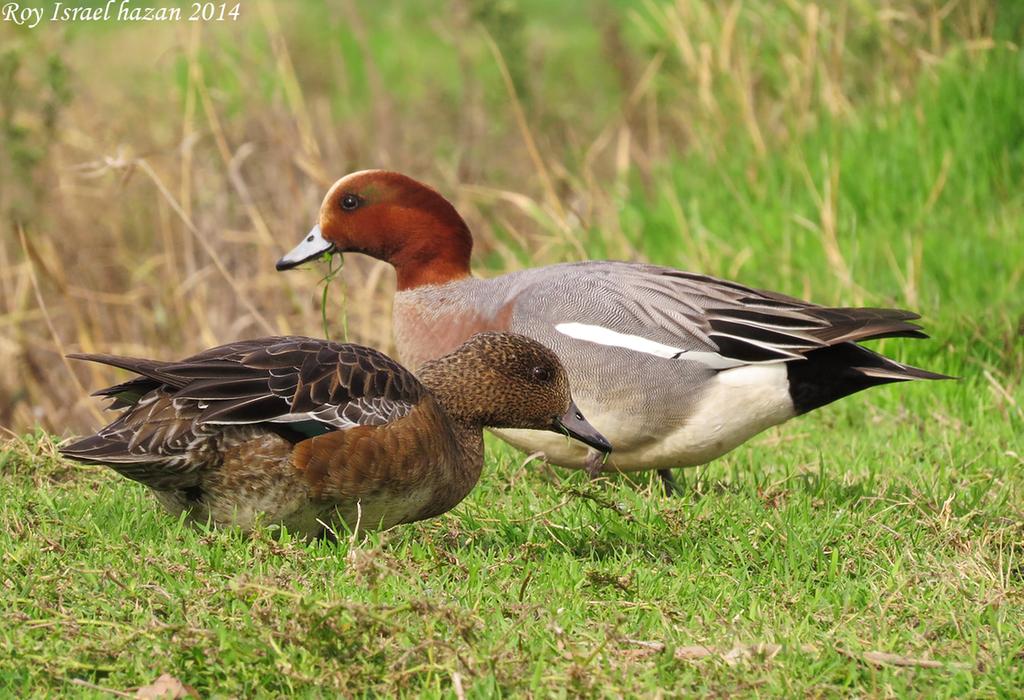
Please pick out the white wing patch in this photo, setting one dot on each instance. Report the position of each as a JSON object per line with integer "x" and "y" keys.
{"x": 636, "y": 343}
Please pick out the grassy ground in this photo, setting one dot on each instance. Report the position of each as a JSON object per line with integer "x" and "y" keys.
{"x": 830, "y": 150}
{"x": 859, "y": 530}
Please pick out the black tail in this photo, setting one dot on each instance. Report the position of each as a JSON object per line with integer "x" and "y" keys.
{"x": 830, "y": 373}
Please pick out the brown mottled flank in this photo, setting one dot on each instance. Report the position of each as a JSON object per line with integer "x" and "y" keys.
{"x": 225, "y": 435}
{"x": 253, "y": 479}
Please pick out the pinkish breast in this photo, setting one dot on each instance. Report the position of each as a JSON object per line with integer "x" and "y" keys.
{"x": 432, "y": 321}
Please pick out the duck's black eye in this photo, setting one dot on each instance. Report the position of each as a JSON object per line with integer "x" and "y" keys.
{"x": 349, "y": 202}
{"x": 542, "y": 374}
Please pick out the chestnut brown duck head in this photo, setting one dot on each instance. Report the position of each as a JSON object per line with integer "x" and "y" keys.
{"x": 319, "y": 435}
{"x": 394, "y": 218}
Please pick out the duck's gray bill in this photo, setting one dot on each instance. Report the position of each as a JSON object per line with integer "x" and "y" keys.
{"x": 576, "y": 426}
{"x": 313, "y": 246}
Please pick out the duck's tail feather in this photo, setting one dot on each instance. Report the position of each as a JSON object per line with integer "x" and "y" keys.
{"x": 151, "y": 369}
{"x": 830, "y": 373}
{"x": 127, "y": 393}
{"x": 899, "y": 372}
{"x": 102, "y": 448}
{"x": 164, "y": 472}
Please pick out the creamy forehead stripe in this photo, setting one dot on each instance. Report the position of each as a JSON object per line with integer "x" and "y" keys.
{"x": 347, "y": 180}
{"x": 636, "y": 343}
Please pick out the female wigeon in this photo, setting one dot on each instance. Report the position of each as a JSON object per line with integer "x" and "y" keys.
{"x": 307, "y": 432}
{"x": 675, "y": 368}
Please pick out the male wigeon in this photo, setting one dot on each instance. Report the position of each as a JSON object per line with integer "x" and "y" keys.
{"x": 675, "y": 368}
{"x": 313, "y": 434}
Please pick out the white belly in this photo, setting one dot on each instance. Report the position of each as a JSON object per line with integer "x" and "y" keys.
{"x": 736, "y": 405}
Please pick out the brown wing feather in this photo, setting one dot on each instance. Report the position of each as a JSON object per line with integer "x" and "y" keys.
{"x": 268, "y": 381}
{"x": 148, "y": 443}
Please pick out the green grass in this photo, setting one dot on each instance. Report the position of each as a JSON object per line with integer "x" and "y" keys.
{"x": 890, "y": 522}
{"x": 858, "y": 529}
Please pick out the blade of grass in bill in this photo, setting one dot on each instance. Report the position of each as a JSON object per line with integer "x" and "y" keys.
{"x": 332, "y": 273}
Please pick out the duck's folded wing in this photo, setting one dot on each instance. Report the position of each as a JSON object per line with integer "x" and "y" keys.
{"x": 299, "y": 380}
{"x": 681, "y": 315}
{"x": 304, "y": 385}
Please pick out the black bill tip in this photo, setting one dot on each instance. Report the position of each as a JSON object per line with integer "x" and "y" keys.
{"x": 310, "y": 248}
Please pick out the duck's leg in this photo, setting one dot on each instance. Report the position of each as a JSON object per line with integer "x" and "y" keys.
{"x": 668, "y": 481}
{"x": 594, "y": 464}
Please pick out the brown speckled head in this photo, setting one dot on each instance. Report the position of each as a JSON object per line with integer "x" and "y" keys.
{"x": 396, "y": 219}
{"x": 506, "y": 380}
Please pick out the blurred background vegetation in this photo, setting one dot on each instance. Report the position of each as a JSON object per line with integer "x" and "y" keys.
{"x": 853, "y": 152}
